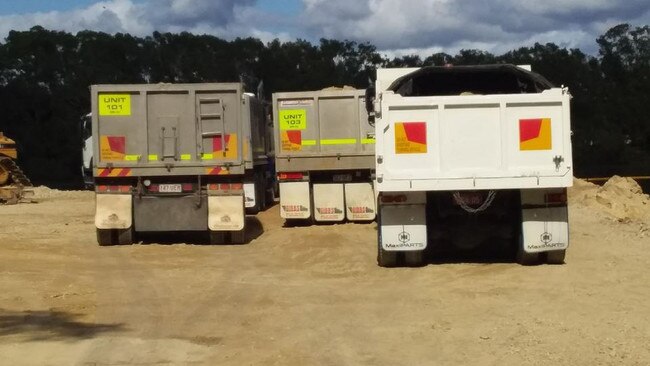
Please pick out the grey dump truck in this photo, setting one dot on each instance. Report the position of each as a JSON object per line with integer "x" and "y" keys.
{"x": 179, "y": 157}
{"x": 325, "y": 155}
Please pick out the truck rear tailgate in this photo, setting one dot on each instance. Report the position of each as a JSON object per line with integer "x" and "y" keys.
{"x": 507, "y": 141}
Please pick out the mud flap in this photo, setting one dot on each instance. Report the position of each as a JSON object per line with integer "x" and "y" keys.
{"x": 226, "y": 213}
{"x": 545, "y": 229}
{"x": 113, "y": 211}
{"x": 360, "y": 202}
{"x": 249, "y": 195}
{"x": 295, "y": 202}
{"x": 403, "y": 227}
{"x": 329, "y": 202}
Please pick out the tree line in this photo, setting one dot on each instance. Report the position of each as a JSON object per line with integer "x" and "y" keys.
{"x": 45, "y": 77}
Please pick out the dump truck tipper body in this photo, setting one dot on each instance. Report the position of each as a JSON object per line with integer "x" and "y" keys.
{"x": 471, "y": 156}
{"x": 325, "y": 155}
{"x": 179, "y": 157}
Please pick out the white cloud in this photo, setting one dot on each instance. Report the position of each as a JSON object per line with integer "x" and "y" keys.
{"x": 224, "y": 18}
{"x": 396, "y": 27}
{"x": 496, "y": 25}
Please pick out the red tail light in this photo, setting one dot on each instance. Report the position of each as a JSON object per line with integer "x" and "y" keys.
{"x": 559, "y": 197}
{"x": 225, "y": 186}
{"x": 121, "y": 189}
{"x": 393, "y": 198}
{"x": 153, "y": 188}
{"x": 290, "y": 176}
{"x": 187, "y": 187}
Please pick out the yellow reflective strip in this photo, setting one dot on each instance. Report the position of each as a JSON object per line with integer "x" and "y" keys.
{"x": 131, "y": 157}
{"x": 186, "y": 157}
{"x": 308, "y": 142}
{"x": 153, "y": 157}
{"x": 338, "y": 142}
{"x": 367, "y": 141}
{"x": 207, "y": 156}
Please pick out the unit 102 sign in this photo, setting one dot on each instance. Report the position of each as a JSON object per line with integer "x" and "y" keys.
{"x": 114, "y": 104}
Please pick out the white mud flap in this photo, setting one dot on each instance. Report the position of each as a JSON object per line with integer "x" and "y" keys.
{"x": 403, "y": 227}
{"x": 329, "y": 202}
{"x": 545, "y": 229}
{"x": 295, "y": 202}
{"x": 360, "y": 202}
{"x": 249, "y": 195}
{"x": 113, "y": 211}
{"x": 226, "y": 213}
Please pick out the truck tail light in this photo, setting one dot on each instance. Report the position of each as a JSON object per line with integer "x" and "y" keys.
{"x": 113, "y": 189}
{"x": 290, "y": 176}
{"x": 187, "y": 187}
{"x": 393, "y": 198}
{"x": 153, "y": 188}
{"x": 555, "y": 198}
{"x": 226, "y": 186}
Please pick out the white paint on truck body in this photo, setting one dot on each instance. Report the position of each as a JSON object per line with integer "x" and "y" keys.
{"x": 473, "y": 142}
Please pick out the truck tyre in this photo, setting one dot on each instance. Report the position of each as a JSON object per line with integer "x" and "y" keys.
{"x": 105, "y": 237}
{"x": 125, "y": 236}
{"x": 527, "y": 259}
{"x": 524, "y": 258}
{"x": 385, "y": 258}
{"x": 238, "y": 237}
{"x": 555, "y": 256}
{"x": 217, "y": 237}
{"x": 414, "y": 258}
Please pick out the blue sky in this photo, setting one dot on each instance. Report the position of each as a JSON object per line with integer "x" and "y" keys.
{"x": 396, "y": 27}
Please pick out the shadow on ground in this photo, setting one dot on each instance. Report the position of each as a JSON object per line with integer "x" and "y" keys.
{"x": 254, "y": 229}
{"x": 50, "y": 325}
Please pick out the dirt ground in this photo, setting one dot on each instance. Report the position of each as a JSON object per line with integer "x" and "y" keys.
{"x": 315, "y": 296}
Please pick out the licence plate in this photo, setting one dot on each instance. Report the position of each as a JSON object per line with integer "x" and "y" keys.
{"x": 342, "y": 178}
{"x": 170, "y": 188}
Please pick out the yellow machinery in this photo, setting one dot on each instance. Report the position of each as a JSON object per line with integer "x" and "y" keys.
{"x": 12, "y": 179}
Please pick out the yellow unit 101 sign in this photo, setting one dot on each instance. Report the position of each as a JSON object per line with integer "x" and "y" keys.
{"x": 293, "y": 119}
{"x": 114, "y": 104}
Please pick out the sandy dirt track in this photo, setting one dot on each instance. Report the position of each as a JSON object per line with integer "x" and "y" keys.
{"x": 315, "y": 296}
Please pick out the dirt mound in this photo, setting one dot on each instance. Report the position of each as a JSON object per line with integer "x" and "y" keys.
{"x": 619, "y": 198}
{"x": 43, "y": 193}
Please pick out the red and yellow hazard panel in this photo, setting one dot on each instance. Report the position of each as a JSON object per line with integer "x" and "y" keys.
{"x": 114, "y": 172}
{"x": 410, "y": 137}
{"x": 535, "y": 134}
{"x": 225, "y": 148}
{"x": 217, "y": 170}
{"x": 112, "y": 148}
{"x": 291, "y": 140}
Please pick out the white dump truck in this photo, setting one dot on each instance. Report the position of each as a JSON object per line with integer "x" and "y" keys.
{"x": 179, "y": 157}
{"x": 469, "y": 157}
{"x": 325, "y": 155}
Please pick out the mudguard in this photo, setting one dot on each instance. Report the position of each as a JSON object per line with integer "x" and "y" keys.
{"x": 113, "y": 211}
{"x": 295, "y": 201}
{"x": 226, "y": 213}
